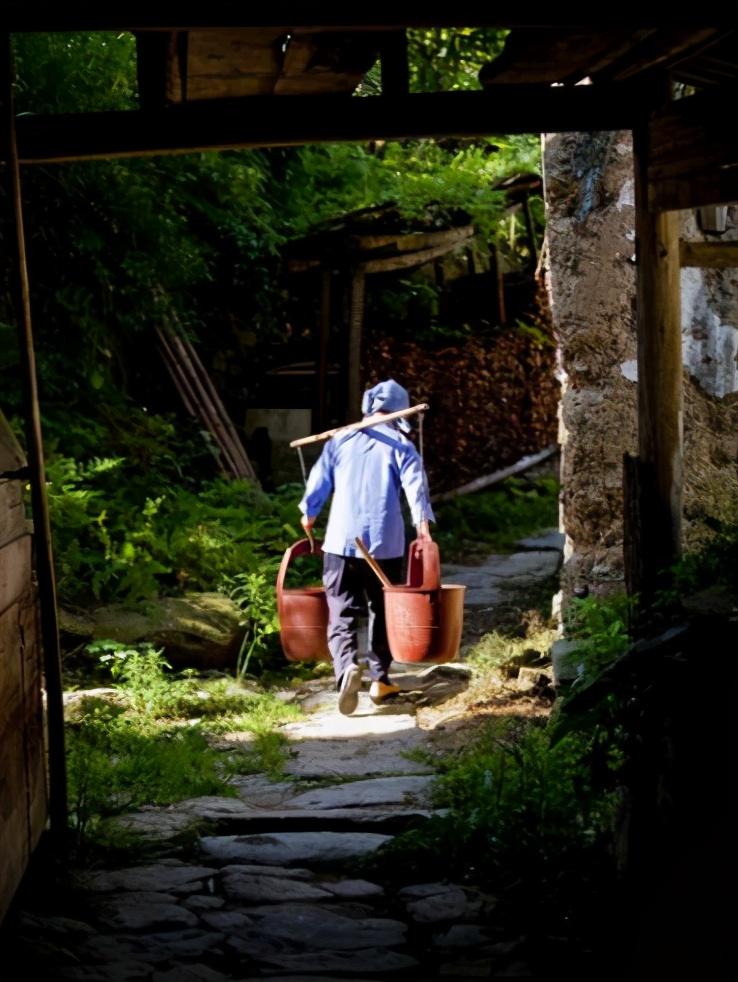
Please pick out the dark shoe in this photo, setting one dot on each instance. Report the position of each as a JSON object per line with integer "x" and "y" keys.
{"x": 348, "y": 693}
{"x": 380, "y": 692}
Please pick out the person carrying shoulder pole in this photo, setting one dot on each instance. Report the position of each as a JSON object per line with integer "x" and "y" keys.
{"x": 365, "y": 470}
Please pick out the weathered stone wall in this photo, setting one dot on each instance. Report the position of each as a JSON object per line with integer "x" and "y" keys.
{"x": 591, "y": 281}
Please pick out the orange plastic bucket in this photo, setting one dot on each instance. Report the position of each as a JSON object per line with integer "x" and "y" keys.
{"x": 302, "y": 612}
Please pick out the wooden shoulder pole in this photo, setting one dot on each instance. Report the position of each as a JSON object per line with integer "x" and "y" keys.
{"x": 659, "y": 379}
{"x": 363, "y": 424}
{"x": 35, "y": 456}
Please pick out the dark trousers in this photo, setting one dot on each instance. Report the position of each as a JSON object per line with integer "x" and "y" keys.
{"x": 352, "y": 588}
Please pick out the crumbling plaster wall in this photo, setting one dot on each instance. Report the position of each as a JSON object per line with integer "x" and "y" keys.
{"x": 591, "y": 282}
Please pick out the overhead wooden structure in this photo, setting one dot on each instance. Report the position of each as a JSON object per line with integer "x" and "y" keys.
{"x": 230, "y": 75}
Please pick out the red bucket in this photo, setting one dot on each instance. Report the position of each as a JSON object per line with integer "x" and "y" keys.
{"x": 424, "y": 618}
{"x": 303, "y": 612}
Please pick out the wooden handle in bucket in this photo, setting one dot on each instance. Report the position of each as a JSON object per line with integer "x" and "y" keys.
{"x": 372, "y": 562}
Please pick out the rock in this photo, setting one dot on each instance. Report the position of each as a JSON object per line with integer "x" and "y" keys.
{"x": 178, "y": 879}
{"x": 293, "y": 872}
{"x": 203, "y": 902}
{"x": 58, "y": 927}
{"x": 461, "y": 936}
{"x": 429, "y": 903}
{"x": 228, "y": 921}
{"x": 531, "y": 679}
{"x": 258, "y": 791}
{"x": 479, "y": 969}
{"x": 552, "y": 539}
{"x": 81, "y": 702}
{"x": 122, "y": 971}
{"x": 189, "y": 973}
{"x": 378, "y": 791}
{"x": 353, "y": 889}
{"x": 284, "y": 848}
{"x": 138, "y": 916}
{"x": 187, "y": 944}
{"x": 564, "y": 660}
{"x": 157, "y": 823}
{"x": 248, "y": 888}
{"x": 199, "y": 630}
{"x": 318, "y": 928}
{"x": 374, "y": 960}
{"x": 361, "y": 745}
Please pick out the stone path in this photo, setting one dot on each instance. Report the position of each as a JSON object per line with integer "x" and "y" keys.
{"x": 270, "y": 890}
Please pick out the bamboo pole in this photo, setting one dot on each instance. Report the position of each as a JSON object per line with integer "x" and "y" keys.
{"x": 35, "y": 448}
{"x": 363, "y": 424}
{"x": 242, "y": 457}
{"x": 207, "y": 409}
{"x": 523, "y": 465}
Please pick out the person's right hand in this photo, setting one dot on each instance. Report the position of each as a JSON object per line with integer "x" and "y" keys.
{"x": 307, "y": 522}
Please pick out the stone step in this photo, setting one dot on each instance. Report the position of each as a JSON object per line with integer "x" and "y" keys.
{"x": 291, "y": 848}
{"x": 339, "y": 820}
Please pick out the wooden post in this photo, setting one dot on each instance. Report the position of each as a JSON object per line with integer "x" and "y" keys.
{"x": 35, "y": 454}
{"x": 659, "y": 380}
{"x": 325, "y": 328}
{"x": 356, "y": 321}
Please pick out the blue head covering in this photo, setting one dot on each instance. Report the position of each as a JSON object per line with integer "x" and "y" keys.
{"x": 387, "y": 397}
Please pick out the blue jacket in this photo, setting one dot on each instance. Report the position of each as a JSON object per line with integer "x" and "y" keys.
{"x": 364, "y": 470}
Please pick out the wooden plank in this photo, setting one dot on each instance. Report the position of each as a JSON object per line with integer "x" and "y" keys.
{"x": 33, "y": 716}
{"x": 11, "y": 455}
{"x": 15, "y": 570}
{"x": 48, "y": 15}
{"x": 19, "y": 287}
{"x": 227, "y": 64}
{"x": 389, "y": 264}
{"x": 709, "y": 255}
{"x": 14, "y": 814}
{"x": 413, "y": 240}
{"x": 295, "y": 120}
{"x": 693, "y": 152}
{"x": 12, "y": 511}
{"x": 659, "y": 378}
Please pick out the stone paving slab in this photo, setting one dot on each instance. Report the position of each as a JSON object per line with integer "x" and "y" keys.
{"x": 255, "y": 889}
{"x": 348, "y": 963}
{"x": 551, "y": 539}
{"x": 155, "y": 877}
{"x": 285, "y": 848}
{"x": 377, "y": 791}
{"x": 486, "y": 584}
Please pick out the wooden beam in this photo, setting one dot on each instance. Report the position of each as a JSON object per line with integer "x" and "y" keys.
{"x": 395, "y": 65}
{"x": 709, "y": 255}
{"x": 152, "y": 67}
{"x": 85, "y": 15}
{"x": 389, "y": 264}
{"x": 324, "y": 329}
{"x": 413, "y": 241}
{"x": 658, "y": 539}
{"x": 693, "y": 152}
{"x": 356, "y": 327}
{"x": 295, "y": 120}
{"x": 43, "y": 550}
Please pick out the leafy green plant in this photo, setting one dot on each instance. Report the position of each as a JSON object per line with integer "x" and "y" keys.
{"x": 517, "y": 806}
{"x": 255, "y": 596}
{"x": 116, "y": 763}
{"x": 601, "y": 626}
